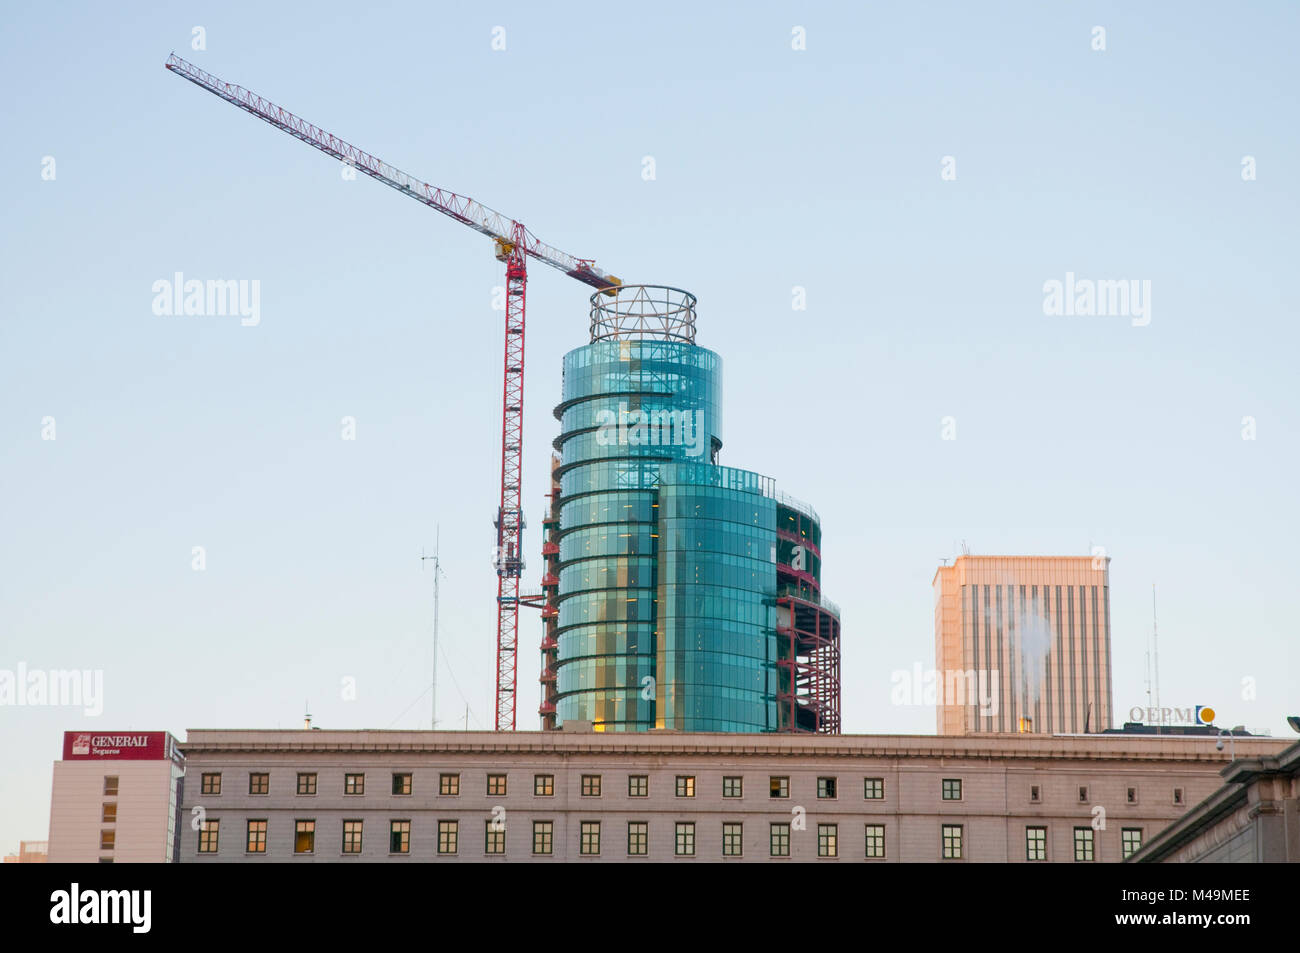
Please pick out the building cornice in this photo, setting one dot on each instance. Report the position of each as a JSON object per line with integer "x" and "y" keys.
{"x": 1015, "y": 747}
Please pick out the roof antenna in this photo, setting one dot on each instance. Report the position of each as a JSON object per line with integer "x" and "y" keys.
{"x": 1155, "y": 642}
{"x": 437, "y": 571}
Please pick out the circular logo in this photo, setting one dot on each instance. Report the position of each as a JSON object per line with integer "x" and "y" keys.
{"x": 1205, "y": 715}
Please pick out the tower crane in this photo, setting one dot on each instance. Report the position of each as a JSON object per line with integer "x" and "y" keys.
{"x": 514, "y": 245}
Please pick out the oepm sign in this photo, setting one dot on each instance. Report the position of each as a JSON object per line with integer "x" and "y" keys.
{"x": 121, "y": 745}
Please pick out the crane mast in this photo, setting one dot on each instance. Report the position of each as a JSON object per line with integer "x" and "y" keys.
{"x": 514, "y": 246}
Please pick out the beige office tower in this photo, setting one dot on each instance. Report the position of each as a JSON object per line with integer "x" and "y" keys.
{"x": 1022, "y": 644}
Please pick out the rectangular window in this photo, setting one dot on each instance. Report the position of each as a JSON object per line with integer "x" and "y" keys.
{"x": 875, "y": 841}
{"x": 1083, "y": 844}
{"x": 1035, "y": 843}
{"x": 211, "y": 783}
{"x": 685, "y": 846}
{"x": 1178, "y": 795}
{"x": 306, "y": 784}
{"x": 873, "y": 789}
{"x": 399, "y": 837}
{"x": 952, "y": 789}
{"x": 1131, "y": 839}
{"x": 449, "y": 785}
{"x": 106, "y": 839}
{"x": 733, "y": 787}
{"x": 591, "y": 785}
{"x": 590, "y": 842}
{"x": 494, "y": 837}
{"x": 208, "y": 833}
{"x": 685, "y": 785}
{"x": 352, "y": 837}
{"x": 401, "y": 784}
{"x": 1083, "y": 793}
{"x": 1132, "y": 795}
{"x": 826, "y": 788}
{"x": 638, "y": 838}
{"x": 110, "y": 813}
{"x": 496, "y": 785}
{"x": 304, "y": 837}
{"x": 448, "y": 836}
{"x": 638, "y": 785}
{"x": 733, "y": 839}
{"x": 1034, "y": 796}
{"x": 543, "y": 837}
{"x": 110, "y": 785}
{"x": 952, "y": 842}
{"x": 256, "y": 843}
{"x": 778, "y": 787}
{"x": 354, "y": 784}
{"x": 779, "y": 840}
{"x": 544, "y": 786}
{"x": 828, "y": 838}
{"x": 259, "y": 783}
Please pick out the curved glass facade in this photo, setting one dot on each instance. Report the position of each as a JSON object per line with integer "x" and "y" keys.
{"x": 665, "y": 564}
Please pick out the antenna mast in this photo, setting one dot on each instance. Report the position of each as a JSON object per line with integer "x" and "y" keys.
{"x": 1155, "y": 642}
{"x": 437, "y": 570}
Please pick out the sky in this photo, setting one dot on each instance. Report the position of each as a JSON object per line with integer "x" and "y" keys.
{"x": 913, "y": 175}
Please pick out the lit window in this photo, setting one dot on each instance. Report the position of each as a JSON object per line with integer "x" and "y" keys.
{"x": 449, "y": 785}
{"x": 354, "y": 784}
{"x": 256, "y": 843}
{"x": 590, "y": 842}
{"x": 591, "y": 785}
{"x": 873, "y": 789}
{"x": 732, "y": 787}
{"x": 259, "y": 783}
{"x": 208, "y": 832}
{"x": 306, "y": 784}
{"x": 106, "y": 840}
{"x": 685, "y": 846}
{"x": 304, "y": 837}
{"x": 494, "y": 837}
{"x": 638, "y": 785}
{"x": 1083, "y": 843}
{"x": 638, "y": 838}
{"x": 952, "y": 789}
{"x": 211, "y": 783}
{"x": 352, "y": 837}
{"x": 448, "y": 835}
{"x": 685, "y": 785}
{"x": 543, "y": 836}
{"x": 875, "y": 841}
{"x": 399, "y": 837}
{"x": 544, "y": 786}
{"x": 496, "y": 785}
{"x": 826, "y": 788}
{"x": 952, "y": 842}
{"x": 1035, "y": 843}
{"x": 779, "y": 839}
{"x": 401, "y": 784}
{"x": 110, "y": 813}
{"x": 779, "y": 787}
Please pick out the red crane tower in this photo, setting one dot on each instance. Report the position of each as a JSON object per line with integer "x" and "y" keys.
{"x": 514, "y": 245}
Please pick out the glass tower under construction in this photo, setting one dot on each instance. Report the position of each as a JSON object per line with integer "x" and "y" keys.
{"x": 679, "y": 593}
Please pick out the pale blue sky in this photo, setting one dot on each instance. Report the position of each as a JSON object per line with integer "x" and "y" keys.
{"x": 775, "y": 168}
